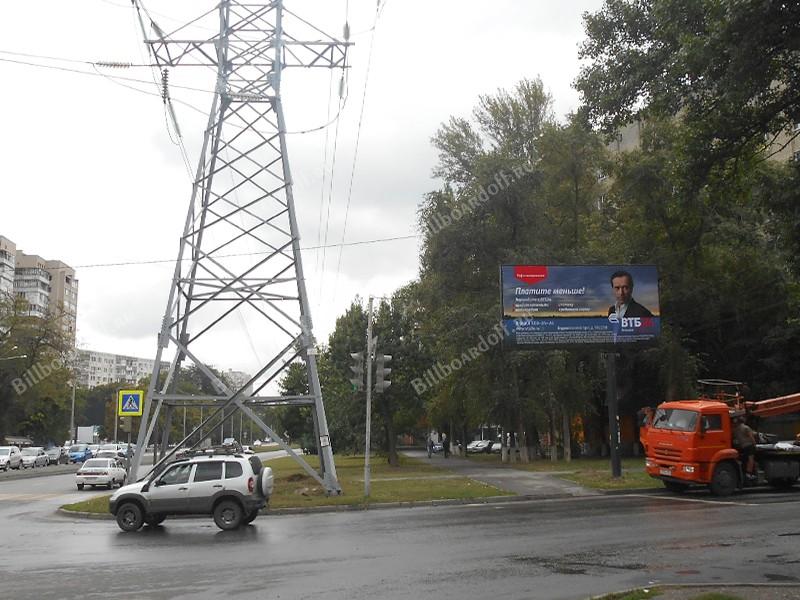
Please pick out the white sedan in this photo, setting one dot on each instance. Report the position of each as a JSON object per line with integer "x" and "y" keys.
{"x": 101, "y": 471}
{"x": 34, "y": 456}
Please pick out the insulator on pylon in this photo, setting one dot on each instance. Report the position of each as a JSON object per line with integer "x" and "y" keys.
{"x": 164, "y": 85}
{"x": 346, "y": 31}
{"x": 341, "y": 87}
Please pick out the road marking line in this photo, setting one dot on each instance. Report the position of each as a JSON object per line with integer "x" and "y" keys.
{"x": 700, "y": 500}
{"x": 28, "y": 496}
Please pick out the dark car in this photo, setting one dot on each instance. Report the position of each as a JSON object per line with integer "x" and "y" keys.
{"x": 57, "y": 455}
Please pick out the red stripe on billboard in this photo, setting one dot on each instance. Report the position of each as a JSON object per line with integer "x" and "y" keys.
{"x": 531, "y": 274}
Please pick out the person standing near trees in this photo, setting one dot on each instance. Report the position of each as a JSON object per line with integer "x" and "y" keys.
{"x": 446, "y": 445}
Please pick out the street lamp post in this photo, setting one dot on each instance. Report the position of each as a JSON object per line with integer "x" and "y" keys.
{"x": 72, "y": 434}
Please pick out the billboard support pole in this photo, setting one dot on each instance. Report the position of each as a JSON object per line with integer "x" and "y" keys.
{"x": 613, "y": 420}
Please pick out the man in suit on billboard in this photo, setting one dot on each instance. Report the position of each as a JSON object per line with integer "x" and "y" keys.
{"x": 625, "y": 305}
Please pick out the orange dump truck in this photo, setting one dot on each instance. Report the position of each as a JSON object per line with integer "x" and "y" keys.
{"x": 690, "y": 442}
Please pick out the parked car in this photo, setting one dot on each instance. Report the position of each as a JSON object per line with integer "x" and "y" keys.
{"x": 57, "y": 455}
{"x": 33, "y": 457}
{"x": 119, "y": 450}
{"x": 224, "y": 483}
{"x": 79, "y": 453}
{"x": 101, "y": 471}
{"x": 10, "y": 458}
{"x": 479, "y": 447}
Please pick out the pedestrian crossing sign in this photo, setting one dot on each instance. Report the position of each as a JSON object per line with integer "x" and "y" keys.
{"x": 130, "y": 403}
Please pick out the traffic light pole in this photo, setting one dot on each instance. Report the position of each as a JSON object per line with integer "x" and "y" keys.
{"x": 369, "y": 399}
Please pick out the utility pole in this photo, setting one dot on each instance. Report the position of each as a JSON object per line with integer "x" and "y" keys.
{"x": 370, "y": 344}
{"x": 240, "y": 247}
{"x": 72, "y": 434}
{"x": 613, "y": 422}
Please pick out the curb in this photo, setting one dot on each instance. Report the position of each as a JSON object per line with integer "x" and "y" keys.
{"x": 691, "y": 586}
{"x": 347, "y": 507}
{"x": 630, "y": 491}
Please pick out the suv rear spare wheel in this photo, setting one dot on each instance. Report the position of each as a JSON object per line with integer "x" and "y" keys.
{"x": 265, "y": 482}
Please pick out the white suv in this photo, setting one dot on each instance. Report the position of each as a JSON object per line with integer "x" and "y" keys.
{"x": 10, "y": 458}
{"x": 222, "y": 483}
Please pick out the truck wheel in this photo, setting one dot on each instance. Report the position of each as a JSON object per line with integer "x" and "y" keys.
{"x": 676, "y": 487}
{"x": 725, "y": 480}
{"x": 129, "y": 517}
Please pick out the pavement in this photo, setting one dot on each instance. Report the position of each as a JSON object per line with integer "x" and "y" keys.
{"x": 524, "y": 483}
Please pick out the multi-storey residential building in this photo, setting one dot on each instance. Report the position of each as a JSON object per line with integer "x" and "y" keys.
{"x": 237, "y": 379}
{"x": 48, "y": 286}
{"x": 8, "y": 261}
{"x": 32, "y": 282}
{"x": 97, "y": 368}
{"x": 64, "y": 294}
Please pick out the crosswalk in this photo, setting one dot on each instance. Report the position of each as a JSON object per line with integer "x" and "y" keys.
{"x": 28, "y": 497}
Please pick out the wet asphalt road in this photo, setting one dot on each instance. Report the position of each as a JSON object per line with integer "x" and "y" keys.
{"x": 566, "y": 548}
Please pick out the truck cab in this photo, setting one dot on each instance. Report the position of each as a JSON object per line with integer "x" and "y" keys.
{"x": 688, "y": 442}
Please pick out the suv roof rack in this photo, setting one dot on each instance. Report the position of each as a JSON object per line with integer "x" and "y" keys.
{"x": 211, "y": 451}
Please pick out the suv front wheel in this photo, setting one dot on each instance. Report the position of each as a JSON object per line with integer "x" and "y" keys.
{"x": 228, "y": 515}
{"x": 130, "y": 517}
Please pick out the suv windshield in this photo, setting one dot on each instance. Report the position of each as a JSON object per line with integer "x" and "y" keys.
{"x": 676, "y": 419}
{"x": 78, "y": 448}
{"x": 30, "y": 451}
{"x": 4, "y": 451}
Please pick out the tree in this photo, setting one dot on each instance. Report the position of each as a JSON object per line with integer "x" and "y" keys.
{"x": 34, "y": 390}
{"x": 727, "y": 67}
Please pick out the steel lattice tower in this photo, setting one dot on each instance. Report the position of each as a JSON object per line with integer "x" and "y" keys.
{"x": 239, "y": 252}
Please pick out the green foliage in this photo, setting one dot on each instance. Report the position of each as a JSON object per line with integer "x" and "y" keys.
{"x": 34, "y": 378}
{"x": 729, "y": 68}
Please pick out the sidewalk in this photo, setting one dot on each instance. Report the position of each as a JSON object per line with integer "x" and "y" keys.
{"x": 524, "y": 483}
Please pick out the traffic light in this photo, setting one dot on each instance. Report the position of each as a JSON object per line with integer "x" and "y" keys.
{"x": 382, "y": 372}
{"x": 125, "y": 424}
{"x": 358, "y": 368}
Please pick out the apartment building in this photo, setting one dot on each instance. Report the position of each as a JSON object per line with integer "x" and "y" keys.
{"x": 48, "y": 286}
{"x": 97, "y": 368}
{"x": 238, "y": 379}
{"x": 8, "y": 261}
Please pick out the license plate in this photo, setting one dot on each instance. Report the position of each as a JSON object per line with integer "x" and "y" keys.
{"x": 665, "y": 471}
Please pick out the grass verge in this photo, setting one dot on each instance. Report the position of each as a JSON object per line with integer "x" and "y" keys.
{"x": 589, "y": 472}
{"x": 411, "y": 481}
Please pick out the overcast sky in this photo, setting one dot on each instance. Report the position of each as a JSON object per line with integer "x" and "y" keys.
{"x": 91, "y": 177}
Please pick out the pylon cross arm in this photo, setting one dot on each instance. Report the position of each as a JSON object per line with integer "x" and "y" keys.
{"x": 202, "y": 53}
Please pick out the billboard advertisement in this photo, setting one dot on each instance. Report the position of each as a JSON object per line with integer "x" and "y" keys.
{"x": 608, "y": 305}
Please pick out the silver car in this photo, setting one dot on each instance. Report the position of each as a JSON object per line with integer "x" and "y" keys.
{"x": 34, "y": 457}
{"x": 10, "y": 458}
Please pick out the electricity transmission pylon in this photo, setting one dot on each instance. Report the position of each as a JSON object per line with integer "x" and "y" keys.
{"x": 239, "y": 253}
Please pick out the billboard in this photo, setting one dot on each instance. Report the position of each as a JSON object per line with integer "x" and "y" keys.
{"x": 549, "y": 306}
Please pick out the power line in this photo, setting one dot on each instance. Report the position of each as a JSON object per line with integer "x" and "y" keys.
{"x": 164, "y": 261}
{"x": 355, "y": 151}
